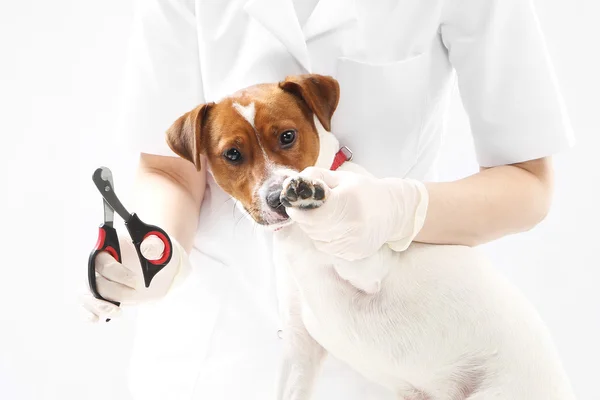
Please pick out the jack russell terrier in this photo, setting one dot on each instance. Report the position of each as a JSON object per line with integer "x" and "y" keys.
{"x": 434, "y": 322}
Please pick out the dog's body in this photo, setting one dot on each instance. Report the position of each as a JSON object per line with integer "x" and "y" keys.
{"x": 439, "y": 323}
{"x": 430, "y": 323}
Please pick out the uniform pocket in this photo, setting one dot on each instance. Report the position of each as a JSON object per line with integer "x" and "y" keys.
{"x": 381, "y": 110}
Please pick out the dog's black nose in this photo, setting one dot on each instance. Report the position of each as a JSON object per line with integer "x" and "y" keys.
{"x": 273, "y": 200}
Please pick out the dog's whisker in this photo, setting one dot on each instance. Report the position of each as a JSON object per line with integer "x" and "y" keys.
{"x": 237, "y": 222}
{"x": 217, "y": 209}
{"x": 234, "y": 206}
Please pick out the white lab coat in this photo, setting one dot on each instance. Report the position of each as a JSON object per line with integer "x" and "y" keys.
{"x": 216, "y": 336}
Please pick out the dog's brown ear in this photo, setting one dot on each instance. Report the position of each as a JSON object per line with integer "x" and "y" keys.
{"x": 321, "y": 94}
{"x": 184, "y": 136}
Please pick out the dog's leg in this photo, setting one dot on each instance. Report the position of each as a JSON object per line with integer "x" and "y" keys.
{"x": 302, "y": 360}
{"x": 302, "y": 355}
{"x": 366, "y": 274}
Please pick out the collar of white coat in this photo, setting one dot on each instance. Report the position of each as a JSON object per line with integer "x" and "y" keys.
{"x": 279, "y": 17}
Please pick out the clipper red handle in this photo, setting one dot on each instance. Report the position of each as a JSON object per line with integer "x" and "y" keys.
{"x": 108, "y": 241}
{"x": 139, "y": 231}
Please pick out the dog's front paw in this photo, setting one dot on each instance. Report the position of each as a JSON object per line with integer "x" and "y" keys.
{"x": 303, "y": 193}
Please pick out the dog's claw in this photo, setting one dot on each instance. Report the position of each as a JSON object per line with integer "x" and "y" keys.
{"x": 285, "y": 201}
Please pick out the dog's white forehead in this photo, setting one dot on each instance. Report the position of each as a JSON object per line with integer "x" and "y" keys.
{"x": 248, "y": 112}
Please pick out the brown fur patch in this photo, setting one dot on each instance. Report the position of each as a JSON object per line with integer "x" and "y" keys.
{"x": 213, "y": 129}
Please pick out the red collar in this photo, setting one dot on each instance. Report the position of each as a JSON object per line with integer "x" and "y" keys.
{"x": 344, "y": 154}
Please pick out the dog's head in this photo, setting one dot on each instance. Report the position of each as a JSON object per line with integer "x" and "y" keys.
{"x": 253, "y": 138}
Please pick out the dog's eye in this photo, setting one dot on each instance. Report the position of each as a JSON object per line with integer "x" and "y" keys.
{"x": 233, "y": 155}
{"x": 287, "y": 138}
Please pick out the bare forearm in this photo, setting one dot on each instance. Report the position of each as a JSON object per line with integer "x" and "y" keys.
{"x": 168, "y": 193}
{"x": 488, "y": 205}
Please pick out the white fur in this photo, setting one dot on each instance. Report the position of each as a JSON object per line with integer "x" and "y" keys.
{"x": 328, "y": 146}
{"x": 248, "y": 112}
{"x": 274, "y": 220}
{"x": 442, "y": 325}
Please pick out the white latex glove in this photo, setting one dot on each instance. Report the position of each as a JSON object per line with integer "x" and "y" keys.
{"x": 362, "y": 213}
{"x": 124, "y": 282}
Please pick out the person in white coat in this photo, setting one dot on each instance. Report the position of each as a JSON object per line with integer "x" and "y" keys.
{"x": 209, "y": 328}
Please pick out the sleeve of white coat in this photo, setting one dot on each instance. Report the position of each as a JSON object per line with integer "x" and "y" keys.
{"x": 162, "y": 75}
{"x": 506, "y": 81}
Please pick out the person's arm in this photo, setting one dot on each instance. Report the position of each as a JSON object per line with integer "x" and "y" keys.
{"x": 162, "y": 79}
{"x": 488, "y": 205}
{"x": 517, "y": 118}
{"x": 168, "y": 191}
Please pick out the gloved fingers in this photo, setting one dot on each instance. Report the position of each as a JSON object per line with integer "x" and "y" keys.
{"x": 325, "y": 216}
{"x": 86, "y": 315}
{"x": 152, "y": 248}
{"x": 114, "y": 291}
{"x": 330, "y": 178}
{"x": 321, "y": 235}
{"x": 342, "y": 248}
{"x": 349, "y": 245}
{"x": 109, "y": 268}
{"x": 327, "y": 232}
{"x": 95, "y": 309}
{"x": 305, "y": 217}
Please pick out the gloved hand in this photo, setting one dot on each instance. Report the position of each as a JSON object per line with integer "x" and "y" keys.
{"x": 124, "y": 282}
{"x": 362, "y": 213}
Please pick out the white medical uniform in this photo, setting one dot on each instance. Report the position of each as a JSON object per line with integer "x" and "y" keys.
{"x": 215, "y": 338}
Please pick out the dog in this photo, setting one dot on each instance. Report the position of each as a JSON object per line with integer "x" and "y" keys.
{"x": 434, "y": 322}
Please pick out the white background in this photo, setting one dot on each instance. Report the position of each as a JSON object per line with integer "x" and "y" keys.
{"x": 60, "y": 66}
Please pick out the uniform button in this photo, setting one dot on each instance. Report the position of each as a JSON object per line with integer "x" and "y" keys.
{"x": 280, "y": 334}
